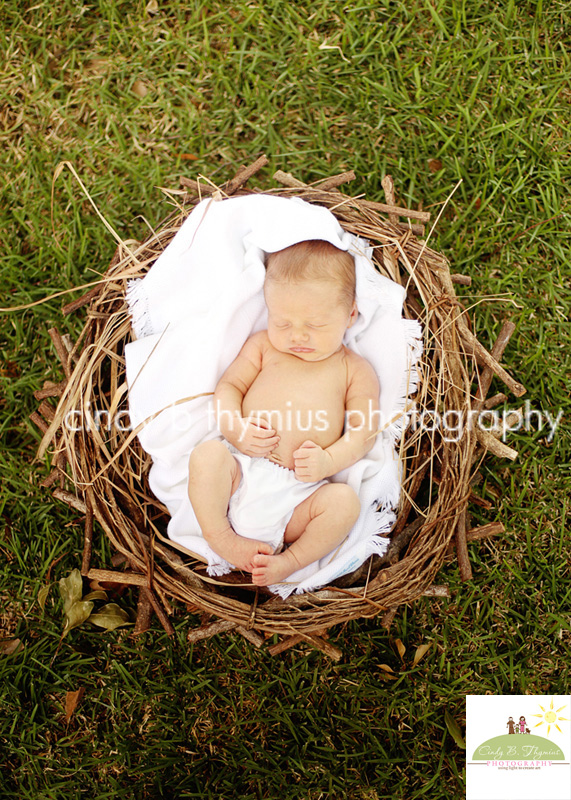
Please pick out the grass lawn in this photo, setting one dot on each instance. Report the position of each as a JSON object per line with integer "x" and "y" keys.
{"x": 136, "y": 95}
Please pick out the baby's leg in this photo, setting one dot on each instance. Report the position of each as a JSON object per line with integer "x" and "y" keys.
{"x": 317, "y": 526}
{"x": 213, "y": 477}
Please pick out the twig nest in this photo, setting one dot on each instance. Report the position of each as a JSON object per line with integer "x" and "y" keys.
{"x": 107, "y": 466}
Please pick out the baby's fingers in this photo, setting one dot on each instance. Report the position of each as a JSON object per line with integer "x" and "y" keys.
{"x": 261, "y": 449}
{"x": 304, "y": 450}
{"x": 262, "y": 433}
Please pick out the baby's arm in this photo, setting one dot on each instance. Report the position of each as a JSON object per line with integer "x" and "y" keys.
{"x": 312, "y": 463}
{"x": 252, "y": 439}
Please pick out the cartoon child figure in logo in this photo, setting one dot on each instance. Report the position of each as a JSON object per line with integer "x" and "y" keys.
{"x": 521, "y": 724}
{"x": 511, "y": 725}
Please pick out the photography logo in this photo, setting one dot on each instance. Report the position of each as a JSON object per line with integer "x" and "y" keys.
{"x": 518, "y": 746}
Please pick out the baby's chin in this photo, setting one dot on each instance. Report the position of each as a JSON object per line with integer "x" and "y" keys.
{"x": 310, "y": 354}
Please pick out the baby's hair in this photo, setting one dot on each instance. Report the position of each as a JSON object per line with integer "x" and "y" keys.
{"x": 314, "y": 260}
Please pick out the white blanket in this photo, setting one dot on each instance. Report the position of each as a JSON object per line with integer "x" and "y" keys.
{"x": 191, "y": 315}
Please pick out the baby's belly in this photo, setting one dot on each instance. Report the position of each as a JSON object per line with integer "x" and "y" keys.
{"x": 312, "y": 415}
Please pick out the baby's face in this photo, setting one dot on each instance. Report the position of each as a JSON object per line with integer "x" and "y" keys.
{"x": 307, "y": 319}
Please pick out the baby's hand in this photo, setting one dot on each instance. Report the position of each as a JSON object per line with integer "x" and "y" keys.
{"x": 255, "y": 439}
{"x": 312, "y": 463}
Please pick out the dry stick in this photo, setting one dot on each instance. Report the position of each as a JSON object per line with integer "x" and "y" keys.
{"x": 324, "y": 645}
{"x": 230, "y": 187}
{"x": 50, "y": 479}
{"x": 399, "y": 542}
{"x": 61, "y": 350}
{"x": 251, "y": 636}
{"x": 287, "y": 179}
{"x": 70, "y": 500}
{"x": 87, "y": 534}
{"x": 389, "y": 190}
{"x": 496, "y": 447}
{"x": 388, "y": 618}
{"x": 39, "y": 421}
{"x": 144, "y": 613}
{"x": 481, "y": 532}
{"x": 461, "y": 547}
{"x": 69, "y": 308}
{"x": 463, "y": 280}
{"x": 50, "y": 389}
{"x": 124, "y": 578}
{"x": 47, "y": 411}
{"x": 58, "y": 471}
{"x": 244, "y": 174}
{"x": 495, "y": 400}
{"x": 436, "y": 591}
{"x": 335, "y": 180}
{"x": 159, "y": 611}
{"x": 389, "y": 256}
{"x": 207, "y": 632}
{"x": 482, "y": 356}
{"x": 484, "y": 531}
{"x": 285, "y": 644}
{"x": 497, "y": 352}
{"x": 60, "y": 463}
{"x": 196, "y": 188}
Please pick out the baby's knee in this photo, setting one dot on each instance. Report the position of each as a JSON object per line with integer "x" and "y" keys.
{"x": 208, "y": 455}
{"x": 343, "y": 500}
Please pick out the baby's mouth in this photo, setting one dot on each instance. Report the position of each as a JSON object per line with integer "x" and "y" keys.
{"x": 301, "y": 349}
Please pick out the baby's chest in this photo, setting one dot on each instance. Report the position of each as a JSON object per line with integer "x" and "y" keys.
{"x": 307, "y": 383}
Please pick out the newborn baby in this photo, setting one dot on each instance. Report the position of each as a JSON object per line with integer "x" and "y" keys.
{"x": 295, "y": 407}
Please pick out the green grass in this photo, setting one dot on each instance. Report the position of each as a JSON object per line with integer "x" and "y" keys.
{"x": 431, "y": 92}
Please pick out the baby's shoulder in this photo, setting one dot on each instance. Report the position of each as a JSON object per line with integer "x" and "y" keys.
{"x": 355, "y": 362}
{"x": 359, "y": 370}
{"x": 257, "y": 347}
{"x": 258, "y": 340}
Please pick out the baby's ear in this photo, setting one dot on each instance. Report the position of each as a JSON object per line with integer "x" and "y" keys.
{"x": 354, "y": 314}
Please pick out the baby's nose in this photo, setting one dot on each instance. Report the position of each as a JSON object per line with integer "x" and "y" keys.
{"x": 299, "y": 335}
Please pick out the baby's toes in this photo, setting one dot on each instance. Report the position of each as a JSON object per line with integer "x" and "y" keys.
{"x": 261, "y": 559}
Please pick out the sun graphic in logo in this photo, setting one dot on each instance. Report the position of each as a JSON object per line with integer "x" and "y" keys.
{"x": 550, "y": 717}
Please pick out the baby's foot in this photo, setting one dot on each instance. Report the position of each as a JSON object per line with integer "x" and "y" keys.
{"x": 238, "y": 550}
{"x": 269, "y": 569}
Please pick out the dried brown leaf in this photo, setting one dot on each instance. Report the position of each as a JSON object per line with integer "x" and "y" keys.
{"x": 10, "y": 646}
{"x": 97, "y": 65}
{"x": 421, "y": 652}
{"x": 139, "y": 89}
{"x": 386, "y": 668}
{"x": 152, "y": 7}
{"x": 401, "y": 648}
{"x": 434, "y": 164}
{"x": 72, "y": 700}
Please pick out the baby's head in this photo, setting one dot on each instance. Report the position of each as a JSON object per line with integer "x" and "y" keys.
{"x": 310, "y": 294}
{"x": 312, "y": 261}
